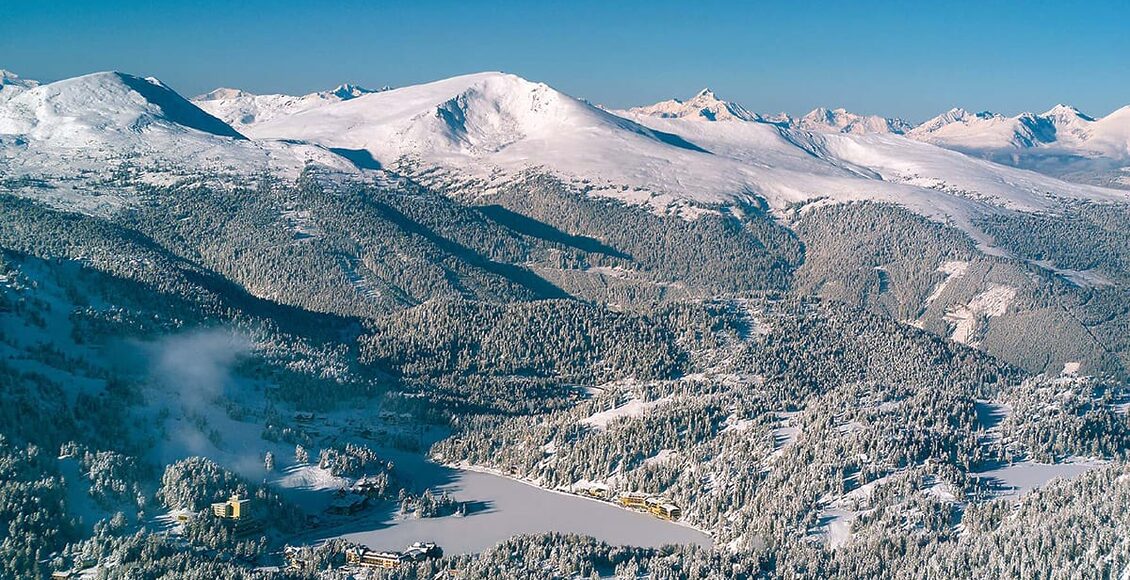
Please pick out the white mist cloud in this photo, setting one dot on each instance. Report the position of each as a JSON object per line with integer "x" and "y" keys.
{"x": 197, "y": 365}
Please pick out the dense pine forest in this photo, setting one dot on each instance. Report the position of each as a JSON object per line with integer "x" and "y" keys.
{"x": 795, "y": 383}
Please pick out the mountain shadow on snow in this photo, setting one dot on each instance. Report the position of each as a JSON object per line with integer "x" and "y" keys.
{"x": 177, "y": 108}
{"x": 362, "y": 158}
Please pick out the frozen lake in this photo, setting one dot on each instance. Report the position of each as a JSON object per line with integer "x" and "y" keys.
{"x": 501, "y": 508}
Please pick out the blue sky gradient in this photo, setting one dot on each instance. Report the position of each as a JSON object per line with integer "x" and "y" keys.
{"x": 895, "y": 58}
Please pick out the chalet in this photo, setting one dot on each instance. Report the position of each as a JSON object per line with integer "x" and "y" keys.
{"x": 367, "y": 486}
{"x": 594, "y": 490}
{"x": 295, "y": 557}
{"x": 347, "y": 503}
{"x": 666, "y": 511}
{"x": 663, "y": 509}
{"x": 420, "y": 551}
{"x": 653, "y": 505}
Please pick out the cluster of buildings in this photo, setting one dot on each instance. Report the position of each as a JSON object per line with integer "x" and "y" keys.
{"x": 417, "y": 552}
{"x": 297, "y": 557}
{"x": 356, "y": 497}
{"x": 652, "y": 504}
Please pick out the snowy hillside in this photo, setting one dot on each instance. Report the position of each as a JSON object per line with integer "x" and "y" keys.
{"x": 11, "y": 85}
{"x": 489, "y": 127}
{"x": 705, "y": 105}
{"x": 1062, "y": 127}
{"x": 75, "y": 133}
{"x": 333, "y": 306}
{"x": 239, "y": 109}
{"x": 842, "y": 121}
{"x": 482, "y": 126}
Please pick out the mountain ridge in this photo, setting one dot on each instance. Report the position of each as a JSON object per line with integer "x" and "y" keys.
{"x": 492, "y": 127}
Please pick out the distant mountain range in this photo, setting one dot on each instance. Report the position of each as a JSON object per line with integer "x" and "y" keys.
{"x": 668, "y": 155}
{"x": 675, "y": 155}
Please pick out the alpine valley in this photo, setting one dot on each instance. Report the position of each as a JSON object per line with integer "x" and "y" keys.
{"x": 259, "y": 336}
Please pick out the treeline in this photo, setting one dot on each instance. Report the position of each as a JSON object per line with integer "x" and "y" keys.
{"x": 727, "y": 251}
{"x": 1087, "y": 236}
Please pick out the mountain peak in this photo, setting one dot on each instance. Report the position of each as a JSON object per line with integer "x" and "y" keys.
{"x": 954, "y": 115}
{"x": 840, "y": 120}
{"x": 221, "y": 94}
{"x": 10, "y": 82}
{"x": 348, "y": 91}
{"x": 1066, "y": 112}
{"x": 116, "y": 100}
{"x": 705, "y": 105}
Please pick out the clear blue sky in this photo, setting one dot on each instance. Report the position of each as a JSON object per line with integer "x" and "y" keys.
{"x": 895, "y": 58}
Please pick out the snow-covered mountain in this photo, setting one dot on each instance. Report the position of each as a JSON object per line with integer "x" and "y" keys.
{"x": 77, "y": 132}
{"x": 842, "y": 121}
{"x": 239, "y": 109}
{"x": 77, "y": 111}
{"x": 1062, "y": 128}
{"x": 1062, "y": 142}
{"x": 11, "y": 85}
{"x": 490, "y": 127}
{"x": 705, "y": 105}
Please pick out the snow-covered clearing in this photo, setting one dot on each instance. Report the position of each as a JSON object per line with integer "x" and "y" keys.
{"x": 990, "y": 303}
{"x": 785, "y": 433}
{"x": 633, "y": 408}
{"x": 952, "y": 269}
{"x": 662, "y": 457}
{"x": 990, "y": 413}
{"x": 835, "y": 525}
{"x": 1081, "y": 278}
{"x": 1013, "y": 481}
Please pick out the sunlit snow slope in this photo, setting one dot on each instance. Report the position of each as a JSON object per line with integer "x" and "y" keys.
{"x": 77, "y": 135}
{"x": 491, "y": 126}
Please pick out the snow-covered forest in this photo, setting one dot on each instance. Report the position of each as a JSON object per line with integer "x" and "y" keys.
{"x": 239, "y": 332}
